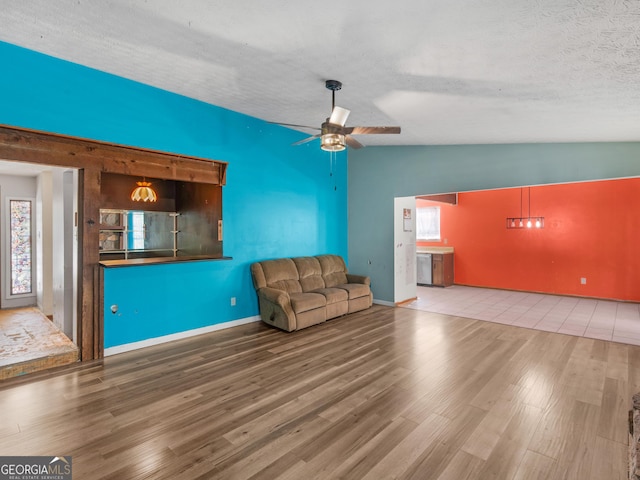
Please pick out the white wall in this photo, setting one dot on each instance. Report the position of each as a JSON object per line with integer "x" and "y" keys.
{"x": 44, "y": 246}
{"x": 57, "y": 241}
{"x": 64, "y": 244}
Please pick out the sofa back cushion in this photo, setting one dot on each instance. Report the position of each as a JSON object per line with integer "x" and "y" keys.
{"x": 310, "y": 273}
{"x": 334, "y": 270}
{"x": 280, "y": 274}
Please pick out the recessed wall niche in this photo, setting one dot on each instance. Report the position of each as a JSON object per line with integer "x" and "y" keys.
{"x": 183, "y": 223}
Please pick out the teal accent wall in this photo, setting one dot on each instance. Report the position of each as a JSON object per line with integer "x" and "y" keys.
{"x": 379, "y": 174}
{"x": 279, "y": 200}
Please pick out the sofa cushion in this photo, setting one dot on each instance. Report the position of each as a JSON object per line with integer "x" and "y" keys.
{"x": 312, "y": 317}
{"x": 303, "y": 302}
{"x": 333, "y": 295}
{"x": 355, "y": 290}
{"x": 309, "y": 272}
{"x": 360, "y": 303}
{"x": 282, "y": 274}
{"x": 334, "y": 270}
{"x": 337, "y": 309}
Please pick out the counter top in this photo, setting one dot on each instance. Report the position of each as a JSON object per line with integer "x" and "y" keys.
{"x": 434, "y": 250}
{"x": 158, "y": 260}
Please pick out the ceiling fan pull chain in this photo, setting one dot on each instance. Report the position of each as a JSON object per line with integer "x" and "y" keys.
{"x": 334, "y": 160}
{"x": 332, "y": 157}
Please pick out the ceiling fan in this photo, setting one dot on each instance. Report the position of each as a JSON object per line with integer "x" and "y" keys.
{"x": 334, "y": 135}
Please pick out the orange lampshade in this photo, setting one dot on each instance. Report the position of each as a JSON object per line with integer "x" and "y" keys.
{"x": 144, "y": 193}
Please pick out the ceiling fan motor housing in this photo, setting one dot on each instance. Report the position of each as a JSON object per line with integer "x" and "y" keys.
{"x": 331, "y": 128}
{"x": 333, "y": 85}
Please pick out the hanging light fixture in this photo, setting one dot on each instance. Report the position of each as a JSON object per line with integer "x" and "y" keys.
{"x": 143, "y": 192}
{"x": 525, "y": 222}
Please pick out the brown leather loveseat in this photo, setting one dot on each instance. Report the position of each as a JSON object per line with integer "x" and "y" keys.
{"x": 295, "y": 293}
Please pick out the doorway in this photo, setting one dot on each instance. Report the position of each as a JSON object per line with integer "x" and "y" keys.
{"x": 38, "y": 261}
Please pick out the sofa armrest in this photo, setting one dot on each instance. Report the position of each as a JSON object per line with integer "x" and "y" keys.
{"x": 358, "y": 279}
{"x": 273, "y": 295}
{"x": 275, "y": 308}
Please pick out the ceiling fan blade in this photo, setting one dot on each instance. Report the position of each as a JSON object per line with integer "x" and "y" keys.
{"x": 305, "y": 140}
{"x": 293, "y": 125}
{"x": 339, "y": 116}
{"x": 371, "y": 130}
{"x": 352, "y": 142}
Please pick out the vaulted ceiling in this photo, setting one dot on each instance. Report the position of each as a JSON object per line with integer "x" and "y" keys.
{"x": 447, "y": 72}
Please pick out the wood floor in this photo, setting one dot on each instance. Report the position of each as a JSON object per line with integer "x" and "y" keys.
{"x": 386, "y": 393}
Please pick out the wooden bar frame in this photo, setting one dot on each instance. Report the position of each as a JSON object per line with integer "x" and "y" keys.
{"x": 92, "y": 158}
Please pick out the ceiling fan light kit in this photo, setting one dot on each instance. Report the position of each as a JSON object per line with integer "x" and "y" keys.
{"x": 332, "y": 142}
{"x": 334, "y": 136}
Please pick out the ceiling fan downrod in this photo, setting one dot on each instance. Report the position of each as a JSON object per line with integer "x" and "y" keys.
{"x": 333, "y": 85}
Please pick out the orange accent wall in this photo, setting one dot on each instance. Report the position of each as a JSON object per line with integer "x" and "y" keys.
{"x": 592, "y": 231}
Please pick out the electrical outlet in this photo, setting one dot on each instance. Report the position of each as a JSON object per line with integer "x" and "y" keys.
{"x": 583, "y": 281}
{"x": 233, "y": 301}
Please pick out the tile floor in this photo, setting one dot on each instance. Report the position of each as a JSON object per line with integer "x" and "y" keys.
{"x": 585, "y": 317}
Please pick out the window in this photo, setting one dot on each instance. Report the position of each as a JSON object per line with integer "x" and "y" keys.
{"x": 428, "y": 223}
{"x": 137, "y": 230}
{"x": 21, "y": 246}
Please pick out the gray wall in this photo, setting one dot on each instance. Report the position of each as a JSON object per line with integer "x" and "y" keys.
{"x": 379, "y": 174}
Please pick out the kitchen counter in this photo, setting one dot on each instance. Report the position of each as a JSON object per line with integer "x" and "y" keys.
{"x": 435, "y": 266}
{"x": 434, "y": 249}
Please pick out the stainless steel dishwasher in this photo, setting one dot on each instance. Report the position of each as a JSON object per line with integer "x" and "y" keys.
{"x": 424, "y": 268}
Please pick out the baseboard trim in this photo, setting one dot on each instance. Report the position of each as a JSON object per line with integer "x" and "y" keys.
{"x": 405, "y": 302}
{"x": 127, "y": 347}
{"x": 384, "y": 302}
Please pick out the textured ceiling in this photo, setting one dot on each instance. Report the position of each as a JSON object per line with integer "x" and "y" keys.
{"x": 448, "y": 72}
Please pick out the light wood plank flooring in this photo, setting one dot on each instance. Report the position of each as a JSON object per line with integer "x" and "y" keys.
{"x": 386, "y": 393}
